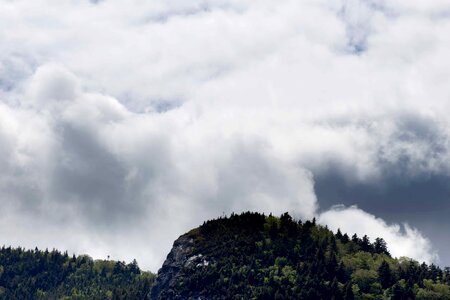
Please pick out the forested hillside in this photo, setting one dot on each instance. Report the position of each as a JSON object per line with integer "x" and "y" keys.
{"x": 246, "y": 256}
{"x": 253, "y": 256}
{"x": 55, "y": 275}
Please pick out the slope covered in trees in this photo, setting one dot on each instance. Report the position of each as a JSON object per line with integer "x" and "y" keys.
{"x": 253, "y": 256}
{"x": 246, "y": 256}
{"x": 55, "y": 275}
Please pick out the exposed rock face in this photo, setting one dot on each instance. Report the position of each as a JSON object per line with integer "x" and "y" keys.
{"x": 179, "y": 259}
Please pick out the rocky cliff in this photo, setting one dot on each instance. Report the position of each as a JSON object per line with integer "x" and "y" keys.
{"x": 178, "y": 264}
{"x": 253, "y": 256}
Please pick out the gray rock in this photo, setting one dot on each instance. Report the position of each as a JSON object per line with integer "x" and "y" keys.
{"x": 180, "y": 257}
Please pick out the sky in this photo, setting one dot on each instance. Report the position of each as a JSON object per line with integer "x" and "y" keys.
{"x": 123, "y": 124}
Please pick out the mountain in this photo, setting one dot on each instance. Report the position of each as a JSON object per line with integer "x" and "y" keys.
{"x": 253, "y": 256}
{"x": 245, "y": 256}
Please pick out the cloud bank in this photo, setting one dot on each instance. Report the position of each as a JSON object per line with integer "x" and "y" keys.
{"x": 128, "y": 122}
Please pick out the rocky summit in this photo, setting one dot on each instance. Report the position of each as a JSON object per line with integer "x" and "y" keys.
{"x": 254, "y": 256}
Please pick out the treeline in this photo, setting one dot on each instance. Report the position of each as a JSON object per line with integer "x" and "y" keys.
{"x": 246, "y": 256}
{"x": 28, "y": 274}
{"x": 253, "y": 256}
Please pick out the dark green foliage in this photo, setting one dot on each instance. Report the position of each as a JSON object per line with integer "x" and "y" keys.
{"x": 380, "y": 246}
{"x": 348, "y": 293}
{"x": 246, "y": 256}
{"x": 55, "y": 275}
{"x": 385, "y": 275}
{"x": 253, "y": 256}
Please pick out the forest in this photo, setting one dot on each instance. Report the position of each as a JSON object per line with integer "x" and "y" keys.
{"x": 253, "y": 256}
{"x": 36, "y": 274}
{"x": 244, "y": 256}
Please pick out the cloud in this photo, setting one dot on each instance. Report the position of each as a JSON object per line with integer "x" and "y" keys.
{"x": 128, "y": 122}
{"x": 52, "y": 83}
{"x": 111, "y": 171}
{"x": 401, "y": 240}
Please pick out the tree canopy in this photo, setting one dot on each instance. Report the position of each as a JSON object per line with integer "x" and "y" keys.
{"x": 35, "y": 274}
{"x": 254, "y": 256}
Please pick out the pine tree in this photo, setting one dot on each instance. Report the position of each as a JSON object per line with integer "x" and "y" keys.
{"x": 398, "y": 292}
{"x": 385, "y": 275}
{"x": 380, "y": 246}
{"x": 365, "y": 244}
{"x": 345, "y": 239}
{"x": 349, "y": 292}
{"x": 335, "y": 292}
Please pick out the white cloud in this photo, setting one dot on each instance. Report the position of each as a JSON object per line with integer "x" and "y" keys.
{"x": 52, "y": 83}
{"x": 401, "y": 240}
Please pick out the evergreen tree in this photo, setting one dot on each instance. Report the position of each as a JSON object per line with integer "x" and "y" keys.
{"x": 365, "y": 244}
{"x": 385, "y": 275}
{"x": 380, "y": 246}
{"x": 345, "y": 239}
{"x": 398, "y": 292}
{"x": 335, "y": 292}
{"x": 349, "y": 292}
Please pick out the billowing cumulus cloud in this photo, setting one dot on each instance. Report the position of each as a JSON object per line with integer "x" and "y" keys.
{"x": 116, "y": 171}
{"x": 129, "y": 122}
{"x": 402, "y": 240}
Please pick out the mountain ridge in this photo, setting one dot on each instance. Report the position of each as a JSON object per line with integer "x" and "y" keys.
{"x": 241, "y": 256}
{"x": 254, "y": 256}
